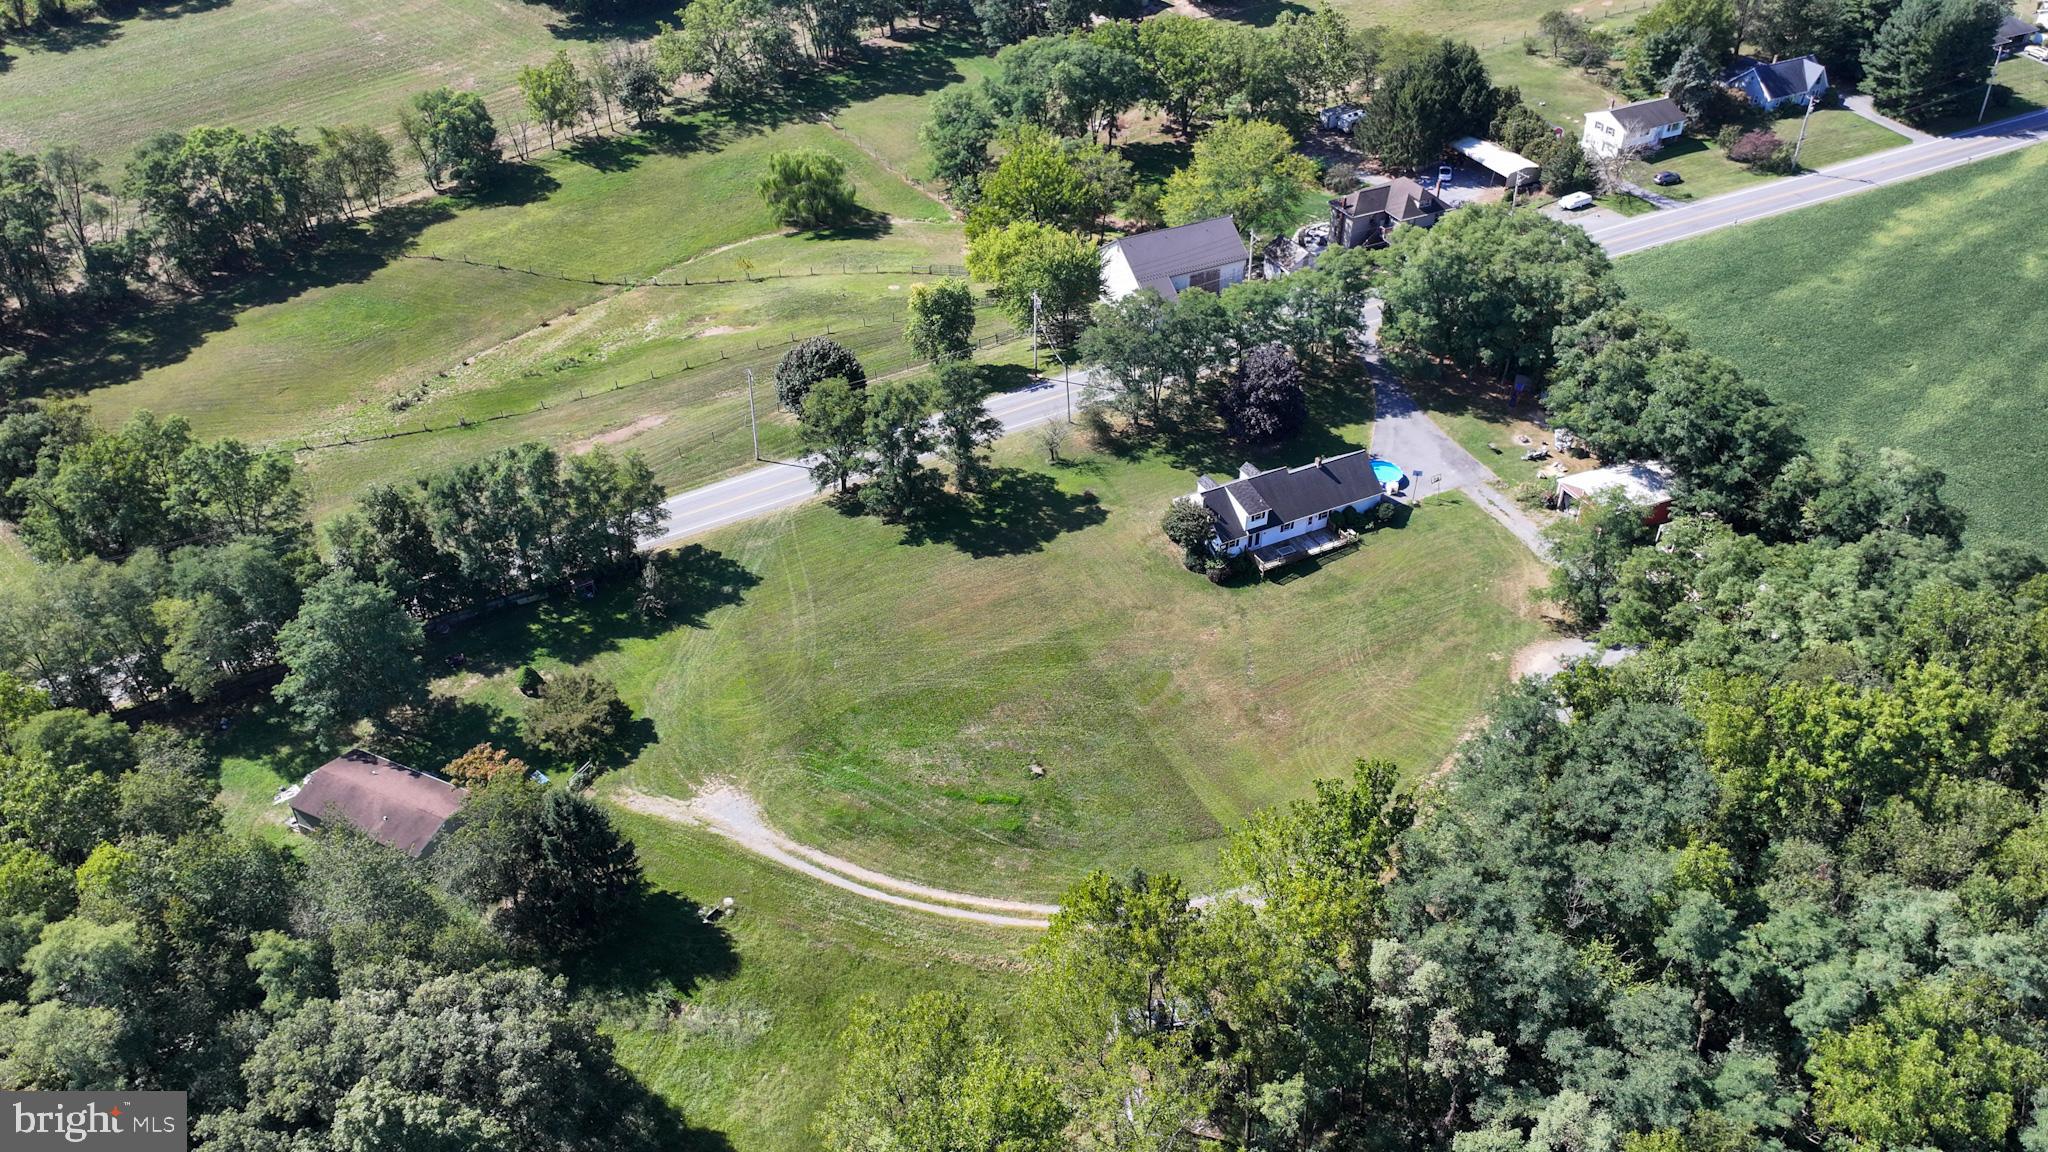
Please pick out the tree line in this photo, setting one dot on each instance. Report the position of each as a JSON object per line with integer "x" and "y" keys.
{"x": 1771, "y": 882}
{"x": 191, "y": 206}
{"x": 171, "y": 565}
{"x": 347, "y": 997}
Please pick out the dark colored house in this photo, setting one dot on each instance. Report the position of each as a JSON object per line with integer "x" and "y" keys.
{"x": 1367, "y": 216}
{"x": 393, "y": 804}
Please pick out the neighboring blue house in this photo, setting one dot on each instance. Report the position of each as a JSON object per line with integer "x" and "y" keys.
{"x": 1795, "y": 81}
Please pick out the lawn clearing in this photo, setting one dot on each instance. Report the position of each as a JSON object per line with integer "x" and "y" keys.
{"x": 108, "y": 85}
{"x": 1907, "y": 316}
{"x": 738, "y": 1025}
{"x": 883, "y": 697}
{"x": 373, "y": 337}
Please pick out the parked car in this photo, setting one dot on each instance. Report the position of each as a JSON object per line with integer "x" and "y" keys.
{"x": 1444, "y": 174}
{"x": 1575, "y": 201}
{"x": 2035, "y": 52}
{"x": 1666, "y": 179}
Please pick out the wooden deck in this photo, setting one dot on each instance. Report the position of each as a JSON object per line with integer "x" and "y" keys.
{"x": 1300, "y": 547}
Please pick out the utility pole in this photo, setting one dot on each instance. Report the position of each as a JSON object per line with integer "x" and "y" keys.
{"x": 753, "y": 422}
{"x": 1067, "y": 374}
{"x": 1811, "y": 100}
{"x": 1997, "y": 58}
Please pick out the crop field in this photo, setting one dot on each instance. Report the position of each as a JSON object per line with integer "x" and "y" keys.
{"x": 108, "y": 85}
{"x": 1907, "y": 316}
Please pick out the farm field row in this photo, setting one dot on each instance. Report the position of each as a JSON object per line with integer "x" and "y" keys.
{"x": 107, "y": 85}
{"x": 1870, "y": 315}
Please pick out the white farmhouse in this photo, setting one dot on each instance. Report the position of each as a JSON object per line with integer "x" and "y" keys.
{"x": 1284, "y": 515}
{"x": 1208, "y": 254}
{"x": 1643, "y": 126}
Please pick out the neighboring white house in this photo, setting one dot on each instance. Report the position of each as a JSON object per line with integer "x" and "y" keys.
{"x": 1795, "y": 81}
{"x": 1646, "y": 483}
{"x": 1208, "y": 254}
{"x": 1643, "y": 126}
{"x": 1261, "y": 509}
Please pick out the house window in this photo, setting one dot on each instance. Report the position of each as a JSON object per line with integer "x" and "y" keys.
{"x": 1206, "y": 279}
{"x": 1286, "y": 526}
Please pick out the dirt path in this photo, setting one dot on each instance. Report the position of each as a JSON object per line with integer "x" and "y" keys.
{"x": 729, "y": 812}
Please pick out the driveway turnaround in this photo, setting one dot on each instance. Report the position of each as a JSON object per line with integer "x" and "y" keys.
{"x": 1846, "y": 179}
{"x": 775, "y": 486}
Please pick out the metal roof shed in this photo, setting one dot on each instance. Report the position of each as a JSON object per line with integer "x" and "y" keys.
{"x": 1512, "y": 167}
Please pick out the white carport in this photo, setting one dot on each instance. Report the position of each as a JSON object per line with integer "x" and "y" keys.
{"x": 1513, "y": 167}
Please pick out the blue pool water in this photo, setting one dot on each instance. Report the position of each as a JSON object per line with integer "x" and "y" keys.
{"x": 1388, "y": 472}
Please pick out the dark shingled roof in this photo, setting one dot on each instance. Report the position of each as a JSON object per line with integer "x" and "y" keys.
{"x": 1650, "y": 113}
{"x": 1156, "y": 257}
{"x": 1295, "y": 493}
{"x": 399, "y": 806}
{"x": 2013, "y": 28}
{"x": 1784, "y": 78}
{"x": 1400, "y": 198}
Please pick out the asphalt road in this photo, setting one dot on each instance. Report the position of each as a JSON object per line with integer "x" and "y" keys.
{"x": 773, "y": 487}
{"x": 1754, "y": 203}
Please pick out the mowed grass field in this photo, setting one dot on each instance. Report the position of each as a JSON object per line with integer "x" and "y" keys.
{"x": 393, "y": 331}
{"x": 109, "y": 85}
{"x": 1907, "y": 316}
{"x": 883, "y": 689}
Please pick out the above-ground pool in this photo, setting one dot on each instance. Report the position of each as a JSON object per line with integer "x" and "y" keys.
{"x": 1388, "y": 472}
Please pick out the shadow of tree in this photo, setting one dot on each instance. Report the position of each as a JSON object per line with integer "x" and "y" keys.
{"x": 575, "y": 631}
{"x": 872, "y": 226}
{"x": 68, "y": 37}
{"x": 1014, "y": 512}
{"x": 610, "y": 153}
{"x": 705, "y": 580}
{"x": 1199, "y": 443}
{"x": 510, "y": 185}
{"x": 664, "y": 948}
{"x": 912, "y": 66}
{"x": 154, "y": 335}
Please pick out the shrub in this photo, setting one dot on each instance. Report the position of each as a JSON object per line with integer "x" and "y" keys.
{"x": 1725, "y": 138}
{"x": 1384, "y": 513}
{"x": 531, "y": 681}
{"x": 1265, "y": 400}
{"x": 1761, "y": 150}
{"x": 1341, "y": 178}
{"x": 807, "y": 189}
{"x": 802, "y": 367}
{"x": 577, "y": 714}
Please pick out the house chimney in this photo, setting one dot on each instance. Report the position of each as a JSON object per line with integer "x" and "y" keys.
{"x": 1319, "y": 461}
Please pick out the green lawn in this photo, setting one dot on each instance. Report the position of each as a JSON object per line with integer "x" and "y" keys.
{"x": 749, "y": 1054}
{"x": 1836, "y": 135}
{"x": 108, "y": 85}
{"x": 883, "y": 688}
{"x": 1905, "y": 316}
{"x": 2028, "y": 80}
{"x": 371, "y": 337}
